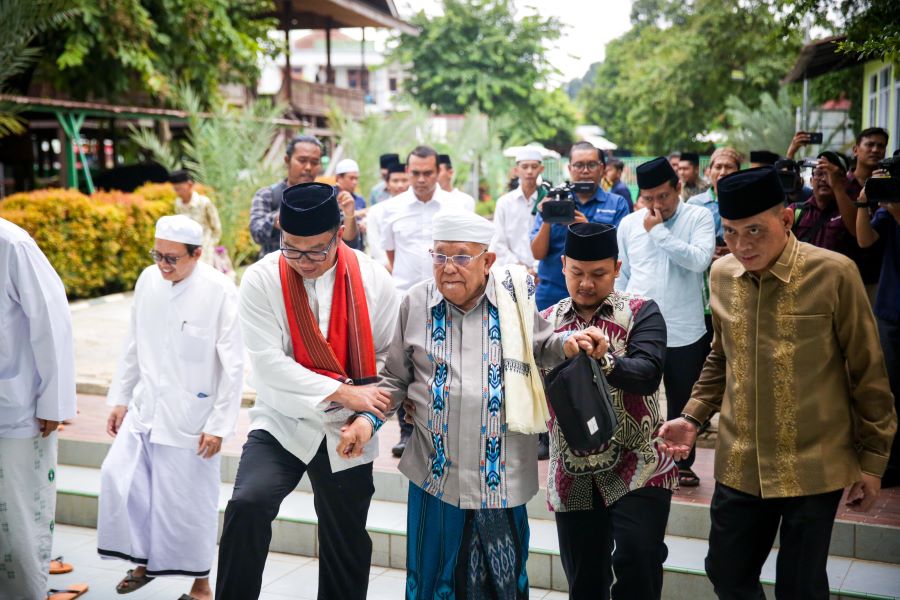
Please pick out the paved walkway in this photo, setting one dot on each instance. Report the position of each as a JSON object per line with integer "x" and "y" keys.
{"x": 286, "y": 576}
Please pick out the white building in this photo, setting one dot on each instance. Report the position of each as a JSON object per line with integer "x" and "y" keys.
{"x": 356, "y": 64}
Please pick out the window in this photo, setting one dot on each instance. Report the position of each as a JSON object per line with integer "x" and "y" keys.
{"x": 884, "y": 97}
{"x": 392, "y": 84}
{"x": 873, "y": 100}
{"x": 358, "y": 79}
{"x": 896, "y": 135}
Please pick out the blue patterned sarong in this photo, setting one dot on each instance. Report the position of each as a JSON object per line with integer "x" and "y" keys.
{"x": 456, "y": 554}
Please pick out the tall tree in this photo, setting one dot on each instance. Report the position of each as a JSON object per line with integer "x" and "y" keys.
{"x": 152, "y": 46}
{"x": 663, "y": 84}
{"x": 871, "y": 27}
{"x": 480, "y": 55}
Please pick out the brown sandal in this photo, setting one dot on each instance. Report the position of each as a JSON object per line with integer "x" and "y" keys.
{"x": 130, "y": 583}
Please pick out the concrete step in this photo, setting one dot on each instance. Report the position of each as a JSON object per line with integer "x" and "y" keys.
{"x": 295, "y": 532}
{"x": 854, "y": 540}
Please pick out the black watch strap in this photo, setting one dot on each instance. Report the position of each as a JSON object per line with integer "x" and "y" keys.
{"x": 696, "y": 423}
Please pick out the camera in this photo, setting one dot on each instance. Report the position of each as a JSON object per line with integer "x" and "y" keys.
{"x": 885, "y": 188}
{"x": 808, "y": 163}
{"x": 789, "y": 174}
{"x": 559, "y": 207}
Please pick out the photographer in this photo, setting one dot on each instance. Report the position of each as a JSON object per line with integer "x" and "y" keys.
{"x": 884, "y": 226}
{"x": 586, "y": 165}
{"x": 869, "y": 150}
{"x": 828, "y": 218}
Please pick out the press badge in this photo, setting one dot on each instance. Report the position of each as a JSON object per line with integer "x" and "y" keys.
{"x": 592, "y": 425}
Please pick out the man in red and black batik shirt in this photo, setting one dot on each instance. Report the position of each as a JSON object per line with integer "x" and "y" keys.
{"x": 618, "y": 496}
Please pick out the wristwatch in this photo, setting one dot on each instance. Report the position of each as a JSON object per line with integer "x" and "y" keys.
{"x": 861, "y": 204}
{"x": 607, "y": 363}
{"x": 696, "y": 423}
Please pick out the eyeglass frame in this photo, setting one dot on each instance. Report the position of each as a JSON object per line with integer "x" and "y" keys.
{"x": 453, "y": 259}
{"x": 308, "y": 254}
{"x": 167, "y": 258}
{"x": 586, "y": 167}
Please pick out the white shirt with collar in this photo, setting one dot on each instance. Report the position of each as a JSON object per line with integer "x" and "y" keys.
{"x": 513, "y": 220}
{"x": 406, "y": 230}
{"x": 668, "y": 264}
{"x": 37, "y": 360}
{"x": 290, "y": 401}
{"x": 182, "y": 370}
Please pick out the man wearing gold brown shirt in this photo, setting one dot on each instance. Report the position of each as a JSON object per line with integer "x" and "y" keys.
{"x": 799, "y": 378}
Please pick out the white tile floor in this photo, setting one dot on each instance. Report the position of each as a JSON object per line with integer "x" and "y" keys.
{"x": 286, "y": 576}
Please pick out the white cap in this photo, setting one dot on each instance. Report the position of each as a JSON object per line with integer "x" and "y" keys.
{"x": 179, "y": 228}
{"x": 461, "y": 226}
{"x": 529, "y": 153}
{"x": 348, "y": 165}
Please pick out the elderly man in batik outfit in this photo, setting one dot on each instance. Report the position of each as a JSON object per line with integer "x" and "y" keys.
{"x": 465, "y": 360}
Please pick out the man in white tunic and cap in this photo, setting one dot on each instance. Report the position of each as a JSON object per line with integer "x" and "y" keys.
{"x": 37, "y": 392}
{"x": 175, "y": 397}
{"x": 514, "y": 215}
{"x": 317, "y": 319}
{"x": 465, "y": 362}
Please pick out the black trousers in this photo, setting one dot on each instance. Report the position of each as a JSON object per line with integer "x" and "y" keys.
{"x": 266, "y": 475}
{"x": 680, "y": 372}
{"x": 889, "y": 333}
{"x": 636, "y": 524}
{"x": 741, "y": 536}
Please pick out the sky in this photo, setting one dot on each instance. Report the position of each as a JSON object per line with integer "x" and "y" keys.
{"x": 589, "y": 26}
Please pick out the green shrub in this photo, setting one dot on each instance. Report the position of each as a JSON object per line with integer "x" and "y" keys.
{"x": 98, "y": 244}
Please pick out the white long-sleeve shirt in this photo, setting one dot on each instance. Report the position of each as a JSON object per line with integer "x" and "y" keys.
{"x": 374, "y": 223}
{"x": 182, "y": 368}
{"x": 290, "y": 401}
{"x": 406, "y": 228}
{"x": 668, "y": 264}
{"x": 514, "y": 221}
{"x": 37, "y": 360}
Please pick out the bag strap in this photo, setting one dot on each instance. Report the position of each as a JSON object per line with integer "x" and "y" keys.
{"x": 815, "y": 228}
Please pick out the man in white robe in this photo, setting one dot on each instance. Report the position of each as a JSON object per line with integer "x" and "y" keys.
{"x": 318, "y": 318}
{"x": 176, "y": 395}
{"x": 37, "y": 392}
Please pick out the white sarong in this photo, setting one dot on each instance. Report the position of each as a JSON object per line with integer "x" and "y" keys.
{"x": 27, "y": 509}
{"x": 158, "y": 506}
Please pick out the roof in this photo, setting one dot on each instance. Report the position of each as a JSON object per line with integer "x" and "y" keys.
{"x": 819, "y": 58}
{"x": 324, "y": 14}
{"x": 97, "y": 109}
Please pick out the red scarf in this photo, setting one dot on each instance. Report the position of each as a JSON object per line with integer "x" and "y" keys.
{"x": 348, "y": 354}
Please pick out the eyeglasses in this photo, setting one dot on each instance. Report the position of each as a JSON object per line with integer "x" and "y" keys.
{"x": 315, "y": 256}
{"x": 170, "y": 260}
{"x": 460, "y": 260}
{"x": 588, "y": 166}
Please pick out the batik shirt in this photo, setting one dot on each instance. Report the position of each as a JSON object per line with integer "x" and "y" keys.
{"x": 449, "y": 364}
{"x": 633, "y": 458}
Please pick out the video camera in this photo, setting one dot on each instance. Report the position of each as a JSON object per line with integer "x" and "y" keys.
{"x": 883, "y": 189}
{"x": 561, "y": 209}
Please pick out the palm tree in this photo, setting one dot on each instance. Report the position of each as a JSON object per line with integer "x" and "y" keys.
{"x": 20, "y": 22}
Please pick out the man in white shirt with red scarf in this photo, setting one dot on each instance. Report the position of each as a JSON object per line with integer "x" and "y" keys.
{"x": 318, "y": 318}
